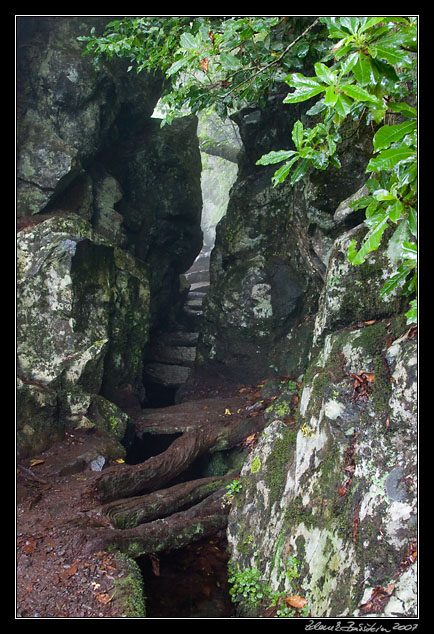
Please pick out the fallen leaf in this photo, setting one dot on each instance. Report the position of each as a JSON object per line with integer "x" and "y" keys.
{"x": 103, "y": 597}
{"x": 378, "y": 600}
{"x": 356, "y": 524}
{"x": 155, "y": 562}
{"x": 30, "y": 545}
{"x": 228, "y": 412}
{"x": 68, "y": 572}
{"x": 295, "y": 601}
{"x": 390, "y": 588}
{"x": 120, "y": 460}
{"x": 369, "y": 377}
{"x": 34, "y": 462}
{"x": 344, "y": 488}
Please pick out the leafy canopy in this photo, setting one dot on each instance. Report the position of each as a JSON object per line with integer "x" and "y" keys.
{"x": 356, "y": 67}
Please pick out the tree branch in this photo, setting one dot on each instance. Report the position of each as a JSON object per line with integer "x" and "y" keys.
{"x": 275, "y": 61}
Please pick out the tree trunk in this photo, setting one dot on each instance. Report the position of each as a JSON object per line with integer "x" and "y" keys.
{"x": 176, "y": 531}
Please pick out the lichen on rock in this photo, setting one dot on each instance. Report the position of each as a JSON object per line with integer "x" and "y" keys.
{"x": 82, "y": 307}
{"x": 337, "y": 492}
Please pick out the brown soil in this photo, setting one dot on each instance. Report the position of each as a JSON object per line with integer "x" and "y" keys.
{"x": 54, "y": 578}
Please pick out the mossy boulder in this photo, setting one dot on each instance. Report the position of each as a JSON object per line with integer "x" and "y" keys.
{"x": 38, "y": 422}
{"x": 337, "y": 490}
{"x": 351, "y": 294}
{"x": 83, "y": 311}
{"x": 129, "y": 594}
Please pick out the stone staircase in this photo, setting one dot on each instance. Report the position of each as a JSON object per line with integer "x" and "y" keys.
{"x": 172, "y": 353}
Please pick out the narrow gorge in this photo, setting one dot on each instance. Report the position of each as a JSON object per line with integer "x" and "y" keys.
{"x": 212, "y": 420}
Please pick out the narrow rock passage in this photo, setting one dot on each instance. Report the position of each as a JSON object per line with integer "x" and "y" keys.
{"x": 167, "y": 497}
{"x": 172, "y": 351}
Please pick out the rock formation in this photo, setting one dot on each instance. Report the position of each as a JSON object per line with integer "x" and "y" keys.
{"x": 323, "y": 370}
{"x": 109, "y": 209}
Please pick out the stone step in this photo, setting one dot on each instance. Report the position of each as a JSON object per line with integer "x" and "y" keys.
{"x": 201, "y": 287}
{"x": 191, "y": 318}
{"x": 166, "y": 374}
{"x": 175, "y": 355}
{"x": 178, "y": 338}
{"x": 194, "y": 304}
{"x": 197, "y": 276}
{"x": 196, "y": 295}
{"x": 201, "y": 262}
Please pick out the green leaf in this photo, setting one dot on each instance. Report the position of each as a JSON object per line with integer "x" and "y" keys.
{"x": 303, "y": 94}
{"x": 395, "y": 211}
{"x": 387, "y": 159}
{"x": 343, "y": 105}
{"x": 404, "y": 108}
{"x": 372, "y": 22}
{"x": 370, "y": 243}
{"x": 393, "y": 281}
{"x": 351, "y": 23}
{"x": 324, "y": 73}
{"x": 229, "y": 61}
{"x": 396, "y": 240}
{"x": 412, "y": 313}
{"x": 412, "y": 221}
{"x": 348, "y": 64}
{"x": 176, "y": 66}
{"x": 275, "y": 157}
{"x": 355, "y": 92}
{"x": 391, "y": 54}
{"x": 389, "y": 134}
{"x": 362, "y": 70}
{"x": 330, "y": 97}
{"x": 297, "y": 80}
{"x": 281, "y": 174}
{"x": 187, "y": 40}
{"x": 297, "y": 134}
{"x": 300, "y": 171}
{"x": 383, "y": 194}
{"x": 410, "y": 250}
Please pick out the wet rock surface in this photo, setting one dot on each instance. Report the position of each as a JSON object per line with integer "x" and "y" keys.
{"x": 271, "y": 363}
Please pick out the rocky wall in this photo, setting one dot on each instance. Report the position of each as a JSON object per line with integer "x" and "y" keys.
{"x": 108, "y": 215}
{"x": 272, "y": 248}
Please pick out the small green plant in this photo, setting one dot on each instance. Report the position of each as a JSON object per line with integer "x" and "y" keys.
{"x": 234, "y": 487}
{"x": 292, "y": 569}
{"x": 248, "y": 588}
{"x": 251, "y": 591}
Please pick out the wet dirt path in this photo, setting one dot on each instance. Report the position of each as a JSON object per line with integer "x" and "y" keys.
{"x": 55, "y": 580}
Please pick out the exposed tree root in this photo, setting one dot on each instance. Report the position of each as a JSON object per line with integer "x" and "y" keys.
{"x": 176, "y": 531}
{"x": 137, "y": 510}
{"x": 156, "y": 472}
{"x": 139, "y": 513}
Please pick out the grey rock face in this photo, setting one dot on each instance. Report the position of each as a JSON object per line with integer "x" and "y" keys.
{"x": 271, "y": 252}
